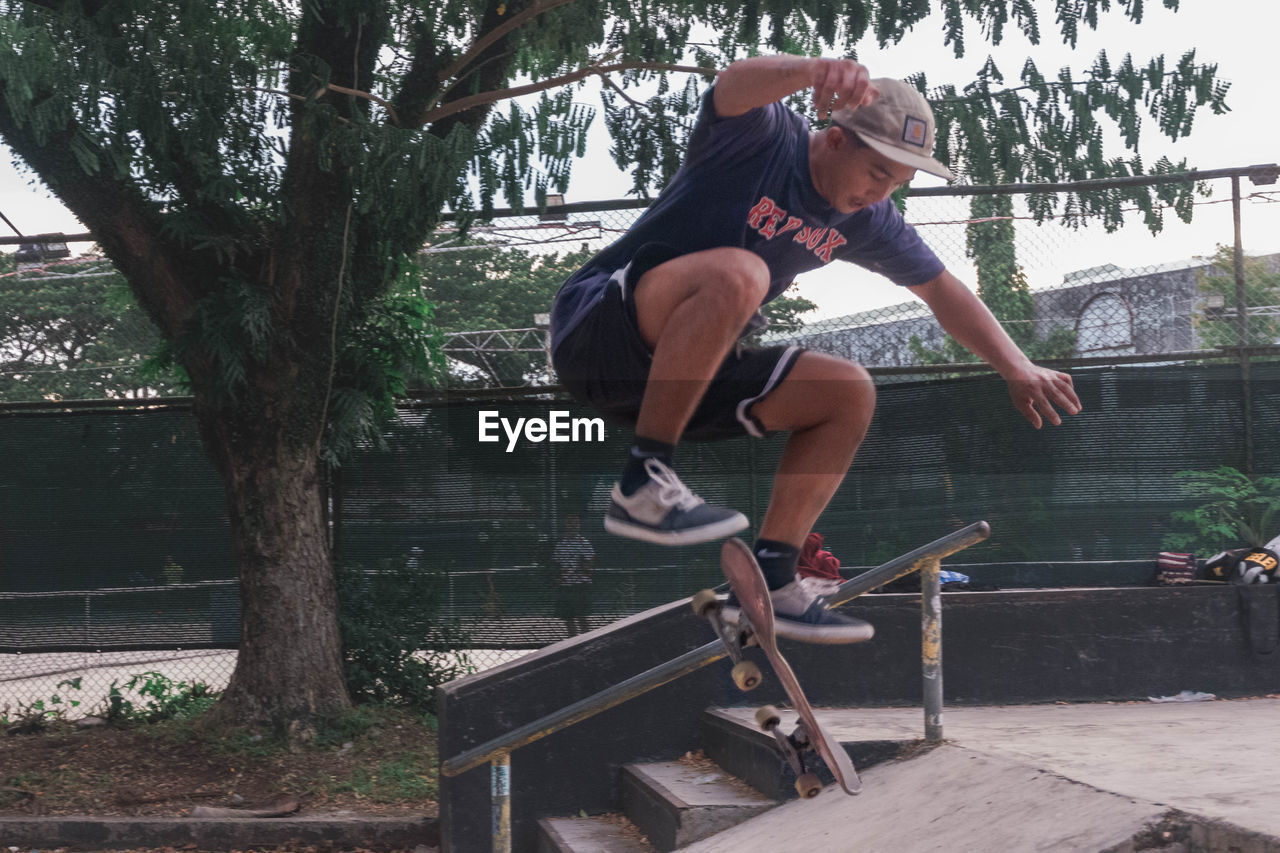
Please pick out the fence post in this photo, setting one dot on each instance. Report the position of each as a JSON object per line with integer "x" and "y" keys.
{"x": 931, "y": 647}
{"x": 1242, "y": 329}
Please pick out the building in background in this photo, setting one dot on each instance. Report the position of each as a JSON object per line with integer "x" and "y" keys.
{"x": 1113, "y": 311}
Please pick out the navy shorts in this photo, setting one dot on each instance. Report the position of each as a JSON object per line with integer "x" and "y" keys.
{"x": 604, "y": 363}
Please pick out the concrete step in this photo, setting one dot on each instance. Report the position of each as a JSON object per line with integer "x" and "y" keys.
{"x": 731, "y": 739}
{"x": 958, "y": 800}
{"x": 675, "y": 803}
{"x": 599, "y": 834}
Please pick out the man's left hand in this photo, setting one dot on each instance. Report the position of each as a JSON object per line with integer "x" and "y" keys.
{"x": 1038, "y": 392}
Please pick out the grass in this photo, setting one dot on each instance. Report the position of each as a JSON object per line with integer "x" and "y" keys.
{"x": 376, "y": 759}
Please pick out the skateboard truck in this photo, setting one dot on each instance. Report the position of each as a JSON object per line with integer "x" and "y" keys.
{"x": 793, "y": 748}
{"x": 746, "y": 675}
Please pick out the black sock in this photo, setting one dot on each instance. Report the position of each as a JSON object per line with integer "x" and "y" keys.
{"x": 777, "y": 562}
{"x": 634, "y": 475}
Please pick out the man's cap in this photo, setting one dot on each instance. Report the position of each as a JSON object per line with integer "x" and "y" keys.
{"x": 899, "y": 125}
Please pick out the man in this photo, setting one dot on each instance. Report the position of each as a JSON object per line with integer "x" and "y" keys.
{"x": 574, "y": 560}
{"x": 646, "y": 332}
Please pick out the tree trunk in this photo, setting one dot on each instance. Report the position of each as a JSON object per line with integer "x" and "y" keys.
{"x": 289, "y": 672}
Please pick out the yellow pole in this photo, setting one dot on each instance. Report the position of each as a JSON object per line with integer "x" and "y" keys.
{"x": 931, "y": 646}
{"x": 500, "y": 774}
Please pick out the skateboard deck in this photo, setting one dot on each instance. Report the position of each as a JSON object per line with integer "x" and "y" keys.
{"x": 757, "y": 623}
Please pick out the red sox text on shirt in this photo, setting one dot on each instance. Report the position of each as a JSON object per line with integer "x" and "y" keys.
{"x": 772, "y": 221}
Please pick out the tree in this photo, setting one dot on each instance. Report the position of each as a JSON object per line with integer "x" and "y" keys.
{"x": 1220, "y": 326}
{"x": 494, "y": 288}
{"x": 783, "y": 312}
{"x": 261, "y": 173}
{"x": 490, "y": 288}
{"x": 74, "y": 333}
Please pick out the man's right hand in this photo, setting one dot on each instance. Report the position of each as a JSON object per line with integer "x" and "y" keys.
{"x": 839, "y": 83}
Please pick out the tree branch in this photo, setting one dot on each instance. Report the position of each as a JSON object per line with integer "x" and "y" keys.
{"x": 334, "y": 87}
{"x": 489, "y": 38}
{"x": 124, "y": 222}
{"x": 1047, "y": 84}
{"x": 484, "y": 98}
{"x": 330, "y": 87}
{"x": 88, "y": 7}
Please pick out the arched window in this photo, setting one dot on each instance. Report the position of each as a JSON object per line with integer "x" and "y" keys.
{"x": 1105, "y": 326}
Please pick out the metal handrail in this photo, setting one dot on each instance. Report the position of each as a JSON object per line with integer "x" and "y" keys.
{"x": 926, "y": 560}
{"x": 697, "y": 658}
{"x": 910, "y": 562}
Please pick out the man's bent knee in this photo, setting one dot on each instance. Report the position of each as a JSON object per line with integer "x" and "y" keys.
{"x": 820, "y": 388}
{"x": 724, "y": 285}
{"x": 740, "y": 275}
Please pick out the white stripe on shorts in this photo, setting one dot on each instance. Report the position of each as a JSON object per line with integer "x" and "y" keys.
{"x": 620, "y": 276}
{"x": 779, "y": 370}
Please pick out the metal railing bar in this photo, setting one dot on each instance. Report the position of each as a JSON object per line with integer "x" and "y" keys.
{"x": 1263, "y": 173}
{"x": 585, "y": 708}
{"x": 910, "y": 562}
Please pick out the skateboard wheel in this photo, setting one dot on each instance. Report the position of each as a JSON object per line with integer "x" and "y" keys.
{"x": 768, "y": 717}
{"x": 704, "y": 601}
{"x": 808, "y": 785}
{"x": 746, "y": 675}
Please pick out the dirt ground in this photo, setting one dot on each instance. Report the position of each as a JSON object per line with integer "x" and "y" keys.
{"x": 381, "y": 762}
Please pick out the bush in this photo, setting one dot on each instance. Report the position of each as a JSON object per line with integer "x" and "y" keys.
{"x": 36, "y": 717}
{"x": 397, "y": 649}
{"x": 159, "y": 698}
{"x": 1239, "y": 511}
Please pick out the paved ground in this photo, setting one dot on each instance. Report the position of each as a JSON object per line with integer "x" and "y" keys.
{"x": 1040, "y": 777}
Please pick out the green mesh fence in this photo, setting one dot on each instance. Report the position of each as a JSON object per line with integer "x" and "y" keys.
{"x": 98, "y": 503}
{"x": 939, "y": 455}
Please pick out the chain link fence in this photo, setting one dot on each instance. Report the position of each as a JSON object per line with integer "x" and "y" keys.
{"x": 114, "y": 551}
{"x": 1063, "y": 286}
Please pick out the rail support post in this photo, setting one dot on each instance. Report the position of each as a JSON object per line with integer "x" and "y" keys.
{"x": 931, "y": 646}
{"x": 500, "y": 775}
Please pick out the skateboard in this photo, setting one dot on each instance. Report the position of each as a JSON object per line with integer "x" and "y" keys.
{"x": 756, "y": 627}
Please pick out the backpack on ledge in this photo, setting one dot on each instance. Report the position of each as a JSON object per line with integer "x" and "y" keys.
{"x": 1242, "y": 566}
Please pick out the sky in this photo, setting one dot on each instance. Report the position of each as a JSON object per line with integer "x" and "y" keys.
{"x": 1241, "y": 36}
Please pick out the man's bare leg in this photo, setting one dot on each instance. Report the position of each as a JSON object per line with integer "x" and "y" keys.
{"x": 826, "y": 403}
{"x": 690, "y": 312}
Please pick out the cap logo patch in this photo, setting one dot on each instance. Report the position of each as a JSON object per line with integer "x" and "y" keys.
{"x": 914, "y": 131}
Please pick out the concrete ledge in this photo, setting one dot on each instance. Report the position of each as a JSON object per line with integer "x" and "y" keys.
{"x": 107, "y": 832}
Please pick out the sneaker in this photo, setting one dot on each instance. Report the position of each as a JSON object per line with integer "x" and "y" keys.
{"x": 819, "y": 586}
{"x": 801, "y": 615}
{"x": 665, "y": 512}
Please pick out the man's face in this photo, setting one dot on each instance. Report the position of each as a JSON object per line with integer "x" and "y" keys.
{"x": 853, "y": 177}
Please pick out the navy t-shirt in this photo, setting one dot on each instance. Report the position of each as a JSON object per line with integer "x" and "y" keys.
{"x": 745, "y": 183}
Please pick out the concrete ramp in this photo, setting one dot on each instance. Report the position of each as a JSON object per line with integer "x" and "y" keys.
{"x": 948, "y": 799}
